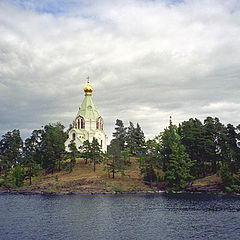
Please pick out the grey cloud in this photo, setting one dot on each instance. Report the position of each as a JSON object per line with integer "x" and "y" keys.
{"x": 146, "y": 60}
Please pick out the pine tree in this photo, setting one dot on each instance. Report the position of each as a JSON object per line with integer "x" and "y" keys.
{"x": 114, "y": 163}
{"x": 149, "y": 160}
{"x": 73, "y": 153}
{"x": 11, "y": 146}
{"x": 95, "y": 152}
{"x": 177, "y": 163}
{"x": 86, "y": 149}
{"x": 131, "y": 139}
{"x": 193, "y": 138}
{"x": 178, "y": 169}
{"x": 140, "y": 139}
{"x": 135, "y": 139}
{"x": 120, "y": 134}
{"x": 233, "y": 150}
{"x": 31, "y": 155}
{"x": 214, "y": 144}
{"x": 52, "y": 146}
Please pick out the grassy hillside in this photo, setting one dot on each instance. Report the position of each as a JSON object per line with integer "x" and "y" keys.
{"x": 84, "y": 180}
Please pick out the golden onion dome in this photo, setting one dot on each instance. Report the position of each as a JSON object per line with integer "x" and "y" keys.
{"x": 88, "y": 89}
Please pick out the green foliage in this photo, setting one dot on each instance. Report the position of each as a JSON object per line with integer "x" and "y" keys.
{"x": 114, "y": 162}
{"x": 178, "y": 169}
{"x": 177, "y": 163}
{"x": 86, "y": 150}
{"x": 52, "y": 146}
{"x": 125, "y": 155}
{"x": 133, "y": 188}
{"x": 72, "y": 154}
{"x": 17, "y": 176}
{"x": 231, "y": 184}
{"x": 150, "y": 177}
{"x": 148, "y": 160}
{"x": 117, "y": 189}
{"x": 11, "y": 146}
{"x": 95, "y": 152}
{"x": 31, "y": 156}
{"x": 92, "y": 151}
{"x": 226, "y": 175}
{"x": 104, "y": 182}
{"x": 192, "y": 137}
{"x": 135, "y": 139}
{"x": 120, "y": 134}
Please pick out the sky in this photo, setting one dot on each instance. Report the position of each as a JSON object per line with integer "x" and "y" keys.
{"x": 147, "y": 60}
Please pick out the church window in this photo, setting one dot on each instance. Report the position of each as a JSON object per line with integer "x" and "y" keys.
{"x": 80, "y": 123}
{"x": 99, "y": 123}
{"x": 73, "y": 136}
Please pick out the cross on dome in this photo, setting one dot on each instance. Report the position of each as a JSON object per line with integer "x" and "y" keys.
{"x": 88, "y": 89}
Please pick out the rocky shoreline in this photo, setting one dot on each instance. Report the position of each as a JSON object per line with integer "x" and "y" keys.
{"x": 38, "y": 191}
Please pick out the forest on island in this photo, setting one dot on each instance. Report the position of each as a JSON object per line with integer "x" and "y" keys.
{"x": 175, "y": 157}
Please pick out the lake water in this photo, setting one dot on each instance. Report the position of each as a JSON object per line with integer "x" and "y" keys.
{"x": 182, "y": 216}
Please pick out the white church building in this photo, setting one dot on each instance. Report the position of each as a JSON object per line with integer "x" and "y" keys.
{"x": 88, "y": 123}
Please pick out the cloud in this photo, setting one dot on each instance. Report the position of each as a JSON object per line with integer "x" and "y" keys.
{"x": 147, "y": 60}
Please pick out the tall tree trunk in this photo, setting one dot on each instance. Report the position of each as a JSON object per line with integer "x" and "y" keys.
{"x": 94, "y": 165}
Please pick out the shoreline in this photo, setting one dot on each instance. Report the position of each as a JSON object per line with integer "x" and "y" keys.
{"x": 17, "y": 192}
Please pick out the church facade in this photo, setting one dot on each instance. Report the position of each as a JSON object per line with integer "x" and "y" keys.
{"x": 88, "y": 123}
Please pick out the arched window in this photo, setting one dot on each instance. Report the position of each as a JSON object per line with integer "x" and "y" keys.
{"x": 99, "y": 123}
{"x": 73, "y": 136}
{"x": 80, "y": 122}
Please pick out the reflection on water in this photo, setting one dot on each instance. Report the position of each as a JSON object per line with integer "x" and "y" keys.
{"x": 181, "y": 216}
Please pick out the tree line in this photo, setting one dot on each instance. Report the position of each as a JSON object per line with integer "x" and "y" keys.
{"x": 176, "y": 156}
{"x": 185, "y": 152}
{"x": 19, "y": 160}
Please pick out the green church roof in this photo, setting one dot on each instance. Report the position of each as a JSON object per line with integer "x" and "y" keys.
{"x": 88, "y": 110}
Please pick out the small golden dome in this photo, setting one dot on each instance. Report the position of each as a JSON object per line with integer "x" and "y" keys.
{"x": 88, "y": 89}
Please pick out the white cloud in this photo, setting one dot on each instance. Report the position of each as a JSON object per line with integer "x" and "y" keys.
{"x": 147, "y": 60}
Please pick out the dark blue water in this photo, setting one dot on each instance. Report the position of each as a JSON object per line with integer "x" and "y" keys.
{"x": 119, "y": 217}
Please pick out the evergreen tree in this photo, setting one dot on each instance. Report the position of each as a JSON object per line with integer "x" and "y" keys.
{"x": 86, "y": 149}
{"x": 193, "y": 138}
{"x": 52, "y": 146}
{"x": 166, "y": 139}
{"x": 135, "y": 139}
{"x": 17, "y": 175}
{"x": 73, "y": 153}
{"x": 140, "y": 139}
{"x": 11, "y": 146}
{"x": 95, "y": 152}
{"x": 233, "y": 148}
{"x": 131, "y": 139}
{"x": 120, "y": 134}
{"x": 214, "y": 142}
{"x": 31, "y": 155}
{"x": 113, "y": 161}
{"x": 125, "y": 154}
{"x": 178, "y": 169}
{"x": 149, "y": 160}
{"x": 177, "y": 163}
